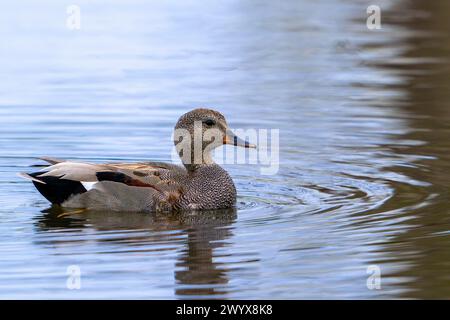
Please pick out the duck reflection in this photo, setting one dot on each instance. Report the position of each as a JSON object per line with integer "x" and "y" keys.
{"x": 196, "y": 272}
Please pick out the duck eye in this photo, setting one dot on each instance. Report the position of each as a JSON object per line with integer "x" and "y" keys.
{"x": 209, "y": 122}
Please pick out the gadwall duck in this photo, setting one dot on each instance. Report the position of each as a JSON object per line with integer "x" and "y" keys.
{"x": 200, "y": 184}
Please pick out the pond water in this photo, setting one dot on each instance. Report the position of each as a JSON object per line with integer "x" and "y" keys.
{"x": 364, "y": 120}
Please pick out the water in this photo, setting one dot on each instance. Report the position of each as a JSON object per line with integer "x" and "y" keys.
{"x": 364, "y": 149}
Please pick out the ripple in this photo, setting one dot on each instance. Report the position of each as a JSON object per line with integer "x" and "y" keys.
{"x": 363, "y": 177}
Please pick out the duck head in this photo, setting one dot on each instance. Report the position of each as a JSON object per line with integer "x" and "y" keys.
{"x": 200, "y": 131}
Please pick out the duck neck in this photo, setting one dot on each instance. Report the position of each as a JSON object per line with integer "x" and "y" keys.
{"x": 200, "y": 161}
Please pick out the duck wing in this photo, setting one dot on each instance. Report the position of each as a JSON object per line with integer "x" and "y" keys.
{"x": 156, "y": 182}
{"x": 146, "y": 174}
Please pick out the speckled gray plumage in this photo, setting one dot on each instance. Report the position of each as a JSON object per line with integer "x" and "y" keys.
{"x": 209, "y": 187}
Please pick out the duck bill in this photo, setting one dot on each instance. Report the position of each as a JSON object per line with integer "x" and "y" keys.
{"x": 234, "y": 140}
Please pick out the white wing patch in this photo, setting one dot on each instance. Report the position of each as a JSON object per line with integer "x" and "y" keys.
{"x": 88, "y": 185}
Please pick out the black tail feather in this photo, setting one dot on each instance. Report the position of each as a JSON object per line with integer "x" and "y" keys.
{"x": 57, "y": 190}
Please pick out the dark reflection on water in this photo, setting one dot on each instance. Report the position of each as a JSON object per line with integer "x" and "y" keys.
{"x": 196, "y": 273}
{"x": 364, "y": 162}
{"x": 424, "y": 65}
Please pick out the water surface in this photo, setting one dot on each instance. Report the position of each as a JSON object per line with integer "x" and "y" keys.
{"x": 364, "y": 150}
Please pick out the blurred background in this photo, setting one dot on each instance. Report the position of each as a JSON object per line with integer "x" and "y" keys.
{"x": 364, "y": 126}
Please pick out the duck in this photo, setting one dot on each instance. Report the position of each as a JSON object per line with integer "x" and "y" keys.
{"x": 197, "y": 184}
